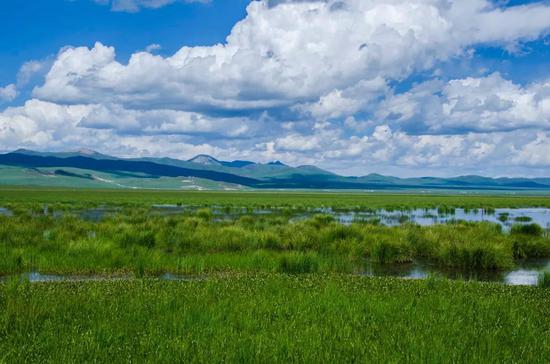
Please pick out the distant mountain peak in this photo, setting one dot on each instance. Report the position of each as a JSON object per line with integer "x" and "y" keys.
{"x": 272, "y": 175}
{"x": 83, "y": 152}
{"x": 24, "y": 151}
{"x": 86, "y": 151}
{"x": 277, "y": 163}
{"x": 206, "y": 160}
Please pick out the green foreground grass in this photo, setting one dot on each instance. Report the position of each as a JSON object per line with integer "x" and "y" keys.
{"x": 274, "y": 319}
{"x": 271, "y": 288}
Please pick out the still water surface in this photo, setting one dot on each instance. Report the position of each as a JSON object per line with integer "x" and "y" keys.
{"x": 525, "y": 273}
{"x": 505, "y": 217}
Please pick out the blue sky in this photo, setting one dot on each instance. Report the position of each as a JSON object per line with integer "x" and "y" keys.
{"x": 40, "y": 28}
{"x": 425, "y": 87}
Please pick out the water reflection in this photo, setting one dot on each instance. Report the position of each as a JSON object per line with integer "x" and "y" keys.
{"x": 427, "y": 217}
{"x": 36, "y": 277}
{"x": 506, "y": 217}
{"x": 94, "y": 215}
{"x": 179, "y": 277}
{"x": 524, "y": 273}
{"x": 5, "y": 212}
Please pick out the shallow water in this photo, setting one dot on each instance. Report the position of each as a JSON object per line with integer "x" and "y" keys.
{"x": 94, "y": 215}
{"x": 525, "y": 273}
{"x": 428, "y": 217}
{"x": 179, "y": 277}
{"x": 166, "y": 210}
{"x": 5, "y": 212}
{"x": 423, "y": 217}
{"x": 36, "y": 277}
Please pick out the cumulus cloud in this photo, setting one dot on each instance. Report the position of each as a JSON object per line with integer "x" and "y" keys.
{"x": 306, "y": 82}
{"x": 29, "y": 69}
{"x": 8, "y": 93}
{"x": 115, "y": 117}
{"x": 25, "y": 75}
{"x": 339, "y": 103}
{"x": 295, "y": 52}
{"x": 153, "y": 48}
{"x": 535, "y": 152}
{"x": 45, "y": 124}
{"x": 472, "y": 104}
{"x": 475, "y": 152}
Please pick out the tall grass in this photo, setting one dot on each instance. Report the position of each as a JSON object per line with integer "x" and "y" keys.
{"x": 544, "y": 280}
{"x": 527, "y": 229}
{"x": 299, "y": 263}
{"x": 133, "y": 240}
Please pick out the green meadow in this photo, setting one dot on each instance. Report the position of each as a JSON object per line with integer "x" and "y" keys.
{"x": 287, "y": 286}
{"x": 274, "y": 318}
{"x": 348, "y": 200}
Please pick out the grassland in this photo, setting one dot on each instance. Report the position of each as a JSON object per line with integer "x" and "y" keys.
{"x": 89, "y": 179}
{"x": 275, "y": 319}
{"x": 262, "y": 288}
{"x": 347, "y": 200}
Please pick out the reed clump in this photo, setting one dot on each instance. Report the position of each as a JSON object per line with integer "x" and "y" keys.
{"x": 135, "y": 240}
{"x": 544, "y": 280}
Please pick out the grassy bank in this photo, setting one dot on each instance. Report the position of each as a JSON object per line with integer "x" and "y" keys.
{"x": 274, "y": 318}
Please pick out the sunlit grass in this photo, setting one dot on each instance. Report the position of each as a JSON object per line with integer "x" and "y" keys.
{"x": 134, "y": 240}
{"x": 544, "y": 280}
{"x": 273, "y": 318}
{"x": 286, "y": 200}
{"x": 268, "y": 287}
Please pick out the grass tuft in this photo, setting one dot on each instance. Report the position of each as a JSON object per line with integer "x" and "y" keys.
{"x": 544, "y": 280}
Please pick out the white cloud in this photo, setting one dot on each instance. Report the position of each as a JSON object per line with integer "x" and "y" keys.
{"x": 39, "y": 123}
{"x": 133, "y": 6}
{"x": 495, "y": 153}
{"x": 8, "y": 93}
{"x": 116, "y": 118}
{"x": 311, "y": 83}
{"x": 45, "y": 125}
{"x": 26, "y": 72}
{"x": 339, "y": 103}
{"x": 29, "y": 69}
{"x": 481, "y": 104}
{"x": 151, "y": 48}
{"x": 295, "y": 52}
{"x": 535, "y": 152}
{"x": 296, "y": 142}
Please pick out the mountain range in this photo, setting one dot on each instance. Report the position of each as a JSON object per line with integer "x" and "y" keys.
{"x": 87, "y": 168}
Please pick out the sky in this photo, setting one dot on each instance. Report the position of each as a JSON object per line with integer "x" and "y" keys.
{"x": 415, "y": 88}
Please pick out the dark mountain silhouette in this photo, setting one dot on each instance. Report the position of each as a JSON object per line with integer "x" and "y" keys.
{"x": 273, "y": 175}
{"x": 110, "y": 165}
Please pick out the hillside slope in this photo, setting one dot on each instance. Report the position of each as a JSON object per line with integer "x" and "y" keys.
{"x": 92, "y": 169}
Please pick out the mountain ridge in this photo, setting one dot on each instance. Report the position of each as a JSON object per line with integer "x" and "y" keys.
{"x": 272, "y": 175}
